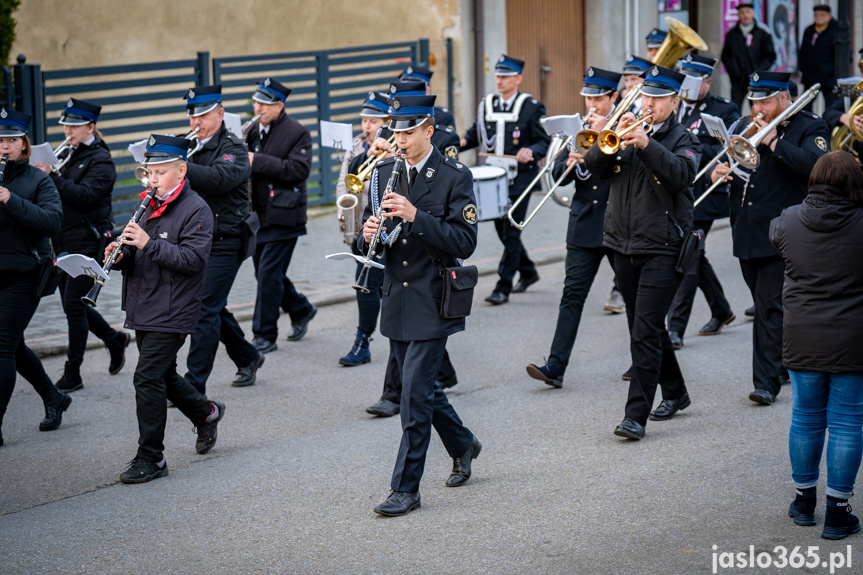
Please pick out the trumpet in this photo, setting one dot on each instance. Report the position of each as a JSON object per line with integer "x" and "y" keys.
{"x": 744, "y": 151}
{"x": 589, "y": 137}
{"x": 547, "y": 168}
{"x": 143, "y": 176}
{"x": 250, "y": 124}
{"x": 90, "y": 298}
{"x": 354, "y": 182}
{"x": 57, "y": 151}
{"x": 753, "y": 125}
{"x": 610, "y": 141}
{"x": 586, "y": 137}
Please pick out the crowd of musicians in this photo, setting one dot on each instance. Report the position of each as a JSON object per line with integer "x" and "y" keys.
{"x": 650, "y": 176}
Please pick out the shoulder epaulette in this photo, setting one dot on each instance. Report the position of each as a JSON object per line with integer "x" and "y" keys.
{"x": 454, "y": 164}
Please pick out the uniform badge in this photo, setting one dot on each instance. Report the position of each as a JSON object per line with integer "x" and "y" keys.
{"x": 654, "y": 71}
{"x": 396, "y": 104}
{"x": 191, "y": 95}
{"x": 451, "y": 152}
{"x": 267, "y": 82}
{"x": 500, "y": 59}
{"x": 229, "y": 158}
{"x": 469, "y": 213}
{"x": 702, "y": 107}
{"x": 689, "y": 57}
{"x": 371, "y": 96}
{"x": 69, "y": 104}
{"x": 393, "y": 89}
{"x": 821, "y": 143}
{"x": 616, "y": 168}
{"x": 590, "y": 72}
{"x": 755, "y": 77}
{"x": 152, "y": 141}
{"x": 515, "y": 134}
{"x": 429, "y": 173}
{"x": 695, "y": 131}
{"x": 3, "y": 113}
{"x": 410, "y": 70}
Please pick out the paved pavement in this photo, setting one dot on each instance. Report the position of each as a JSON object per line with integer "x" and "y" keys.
{"x": 298, "y": 467}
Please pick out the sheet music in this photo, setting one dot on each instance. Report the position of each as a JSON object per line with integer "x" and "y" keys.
{"x": 234, "y": 124}
{"x": 690, "y": 88}
{"x": 361, "y": 259}
{"x": 716, "y": 127}
{"x": 77, "y": 264}
{"x": 336, "y": 135}
{"x": 43, "y": 154}
{"x": 566, "y": 125}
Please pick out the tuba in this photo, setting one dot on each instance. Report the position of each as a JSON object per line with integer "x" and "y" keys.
{"x": 843, "y": 137}
{"x": 680, "y": 40}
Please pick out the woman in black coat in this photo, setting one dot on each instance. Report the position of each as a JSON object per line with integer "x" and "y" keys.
{"x": 30, "y": 214}
{"x": 85, "y": 183}
{"x": 820, "y": 241}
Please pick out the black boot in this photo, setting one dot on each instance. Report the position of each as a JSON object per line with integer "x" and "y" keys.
{"x": 117, "y": 349}
{"x": 360, "y": 353}
{"x": 802, "y": 509}
{"x": 839, "y": 523}
{"x": 71, "y": 380}
{"x": 54, "y": 412}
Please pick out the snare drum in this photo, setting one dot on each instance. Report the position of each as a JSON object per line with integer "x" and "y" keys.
{"x": 491, "y": 188}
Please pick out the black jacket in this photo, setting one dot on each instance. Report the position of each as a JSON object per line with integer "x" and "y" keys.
{"x": 219, "y": 173}
{"x": 817, "y": 63}
{"x": 741, "y": 60}
{"x": 163, "y": 283}
{"x": 778, "y": 182}
{"x": 715, "y": 205}
{"x": 587, "y": 212}
{"x": 444, "y": 117}
{"x": 85, "y": 184}
{"x": 412, "y": 288}
{"x": 279, "y": 172}
{"x": 822, "y": 297}
{"x": 530, "y": 134}
{"x": 31, "y": 216}
{"x": 636, "y": 221}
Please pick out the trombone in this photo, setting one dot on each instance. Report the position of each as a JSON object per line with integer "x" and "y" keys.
{"x": 753, "y": 125}
{"x": 354, "y": 182}
{"x": 744, "y": 151}
{"x": 546, "y": 169}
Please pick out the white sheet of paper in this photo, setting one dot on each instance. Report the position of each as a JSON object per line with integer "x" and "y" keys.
{"x": 336, "y": 135}
{"x": 715, "y": 127}
{"x": 43, "y": 154}
{"x": 137, "y": 150}
{"x": 566, "y": 125}
{"x": 690, "y": 88}
{"x": 234, "y": 124}
{"x": 77, "y": 265}
{"x": 363, "y": 260}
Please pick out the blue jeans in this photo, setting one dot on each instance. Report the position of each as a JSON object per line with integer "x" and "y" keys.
{"x": 825, "y": 401}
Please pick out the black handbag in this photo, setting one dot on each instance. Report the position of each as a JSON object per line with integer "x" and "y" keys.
{"x": 690, "y": 252}
{"x": 458, "y": 284}
{"x": 49, "y": 276}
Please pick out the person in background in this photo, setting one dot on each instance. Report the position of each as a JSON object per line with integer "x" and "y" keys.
{"x": 817, "y": 56}
{"x": 748, "y": 47}
{"x": 653, "y": 41}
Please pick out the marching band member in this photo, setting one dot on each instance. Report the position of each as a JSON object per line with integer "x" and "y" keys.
{"x": 219, "y": 172}
{"x": 633, "y": 69}
{"x": 649, "y": 213}
{"x": 584, "y": 246}
{"x": 85, "y": 182}
{"x": 788, "y": 154}
{"x": 654, "y": 40}
{"x": 163, "y": 259}
{"x": 438, "y": 215}
{"x": 443, "y": 117}
{"x": 714, "y": 207}
{"x": 508, "y": 124}
{"x": 30, "y": 213}
{"x": 281, "y": 159}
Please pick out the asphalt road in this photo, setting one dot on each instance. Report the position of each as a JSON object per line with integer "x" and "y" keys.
{"x": 299, "y": 465}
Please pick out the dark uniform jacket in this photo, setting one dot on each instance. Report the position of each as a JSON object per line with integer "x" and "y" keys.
{"x": 531, "y": 135}
{"x": 778, "y": 182}
{"x": 816, "y": 63}
{"x": 31, "y": 216}
{"x": 445, "y": 139}
{"x": 715, "y": 205}
{"x": 445, "y": 221}
{"x": 741, "y": 60}
{"x": 279, "y": 172}
{"x": 85, "y": 185}
{"x": 219, "y": 173}
{"x": 444, "y": 117}
{"x": 587, "y": 212}
{"x": 820, "y": 242}
{"x": 636, "y": 221}
{"x": 163, "y": 283}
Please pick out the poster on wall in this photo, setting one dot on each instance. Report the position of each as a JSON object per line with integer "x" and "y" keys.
{"x": 782, "y": 21}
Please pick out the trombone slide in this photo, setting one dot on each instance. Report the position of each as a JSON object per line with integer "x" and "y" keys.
{"x": 548, "y": 167}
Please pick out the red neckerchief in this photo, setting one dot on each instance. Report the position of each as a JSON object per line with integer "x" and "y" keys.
{"x": 158, "y": 210}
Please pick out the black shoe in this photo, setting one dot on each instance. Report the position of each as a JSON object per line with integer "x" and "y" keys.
{"x": 263, "y": 345}
{"x": 497, "y": 298}
{"x": 523, "y": 284}
{"x": 461, "y": 465}
{"x": 715, "y": 325}
{"x": 384, "y": 408}
{"x": 207, "y": 433}
{"x": 669, "y": 407}
{"x": 299, "y": 329}
{"x": 447, "y": 382}
{"x": 627, "y": 375}
{"x": 762, "y": 396}
{"x": 246, "y": 376}
{"x": 399, "y": 503}
{"x": 117, "y": 349}
{"x": 750, "y": 312}
{"x": 54, "y": 412}
{"x": 630, "y": 429}
{"x": 802, "y": 509}
{"x": 838, "y": 522}
{"x": 676, "y": 340}
{"x": 71, "y": 379}
{"x": 546, "y": 373}
{"x": 141, "y": 470}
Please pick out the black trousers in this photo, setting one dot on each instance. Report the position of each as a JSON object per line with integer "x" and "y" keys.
{"x": 80, "y": 318}
{"x": 703, "y": 277}
{"x": 216, "y": 323}
{"x": 17, "y": 306}
{"x": 647, "y": 283}
{"x": 423, "y": 404}
{"x": 393, "y": 377}
{"x": 156, "y": 382}
{"x": 581, "y": 267}
{"x": 765, "y": 278}
{"x": 515, "y": 258}
{"x": 738, "y": 93}
{"x": 275, "y": 289}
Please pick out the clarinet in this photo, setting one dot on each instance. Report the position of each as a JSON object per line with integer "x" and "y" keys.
{"x": 3, "y": 166}
{"x": 98, "y": 284}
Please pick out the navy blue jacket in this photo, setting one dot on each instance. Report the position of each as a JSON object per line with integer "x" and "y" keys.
{"x": 587, "y": 212}
{"x": 817, "y": 63}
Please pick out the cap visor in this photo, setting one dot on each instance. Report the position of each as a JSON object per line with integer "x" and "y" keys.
{"x": 505, "y": 72}
{"x": 657, "y": 91}
{"x": 370, "y": 113}
{"x": 201, "y": 110}
{"x": 265, "y": 98}
{"x": 161, "y": 160}
{"x": 403, "y": 124}
{"x": 7, "y": 132}
{"x": 595, "y": 91}
{"x": 760, "y": 95}
{"x": 68, "y": 120}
